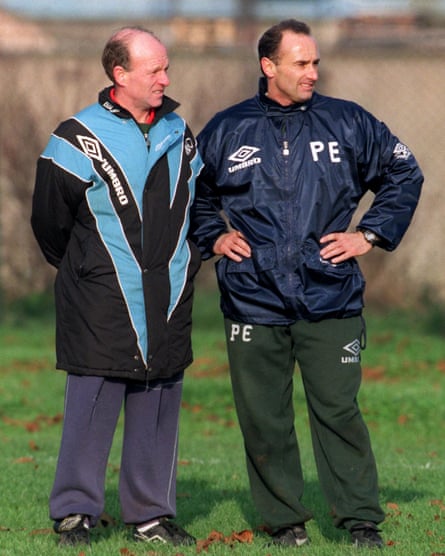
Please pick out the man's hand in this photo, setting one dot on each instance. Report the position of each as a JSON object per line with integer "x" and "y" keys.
{"x": 233, "y": 245}
{"x": 342, "y": 246}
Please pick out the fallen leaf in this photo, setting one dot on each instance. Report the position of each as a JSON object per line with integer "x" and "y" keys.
{"x": 24, "y": 460}
{"x": 33, "y": 446}
{"x": 47, "y": 531}
{"x": 441, "y": 366}
{"x": 375, "y": 374}
{"x": 439, "y": 503}
{"x": 403, "y": 419}
{"x": 34, "y": 425}
{"x": 245, "y": 536}
{"x": 213, "y": 537}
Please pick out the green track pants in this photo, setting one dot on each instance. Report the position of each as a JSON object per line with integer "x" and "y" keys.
{"x": 262, "y": 366}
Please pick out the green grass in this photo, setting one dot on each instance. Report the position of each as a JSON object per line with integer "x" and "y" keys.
{"x": 402, "y": 399}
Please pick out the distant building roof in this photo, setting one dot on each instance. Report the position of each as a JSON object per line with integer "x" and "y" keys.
{"x": 18, "y": 36}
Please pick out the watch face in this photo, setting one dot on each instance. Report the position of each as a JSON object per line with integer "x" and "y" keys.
{"x": 370, "y": 236}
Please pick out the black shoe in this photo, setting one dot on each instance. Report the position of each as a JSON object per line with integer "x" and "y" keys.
{"x": 73, "y": 530}
{"x": 291, "y": 536}
{"x": 366, "y": 535}
{"x": 163, "y": 531}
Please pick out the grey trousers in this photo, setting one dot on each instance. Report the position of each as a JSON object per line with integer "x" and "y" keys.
{"x": 147, "y": 481}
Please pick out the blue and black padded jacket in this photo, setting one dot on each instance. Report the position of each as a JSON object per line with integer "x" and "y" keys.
{"x": 111, "y": 213}
{"x": 284, "y": 177}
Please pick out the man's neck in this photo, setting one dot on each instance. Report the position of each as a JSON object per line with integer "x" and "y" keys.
{"x": 141, "y": 116}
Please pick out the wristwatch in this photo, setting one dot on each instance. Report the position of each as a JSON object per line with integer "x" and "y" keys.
{"x": 371, "y": 237}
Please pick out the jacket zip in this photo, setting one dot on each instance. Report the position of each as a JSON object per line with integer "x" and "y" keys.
{"x": 286, "y": 152}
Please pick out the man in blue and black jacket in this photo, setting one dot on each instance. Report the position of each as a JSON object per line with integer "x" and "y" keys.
{"x": 288, "y": 168}
{"x": 111, "y": 212}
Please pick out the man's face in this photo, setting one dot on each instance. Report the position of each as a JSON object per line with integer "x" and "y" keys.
{"x": 144, "y": 82}
{"x": 292, "y": 77}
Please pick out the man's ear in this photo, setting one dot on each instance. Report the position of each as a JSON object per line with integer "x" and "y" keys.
{"x": 120, "y": 75}
{"x": 268, "y": 67}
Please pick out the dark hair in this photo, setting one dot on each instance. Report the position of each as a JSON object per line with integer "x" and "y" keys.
{"x": 116, "y": 51}
{"x": 270, "y": 41}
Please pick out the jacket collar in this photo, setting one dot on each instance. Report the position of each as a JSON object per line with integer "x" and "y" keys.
{"x": 168, "y": 105}
{"x": 274, "y": 107}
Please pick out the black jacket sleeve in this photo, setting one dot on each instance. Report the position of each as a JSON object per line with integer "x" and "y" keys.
{"x": 53, "y": 215}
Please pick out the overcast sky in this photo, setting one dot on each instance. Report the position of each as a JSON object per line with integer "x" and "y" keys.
{"x": 156, "y": 8}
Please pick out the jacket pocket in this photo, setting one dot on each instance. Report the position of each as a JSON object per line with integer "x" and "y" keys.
{"x": 262, "y": 259}
{"x": 331, "y": 289}
{"x": 313, "y": 260}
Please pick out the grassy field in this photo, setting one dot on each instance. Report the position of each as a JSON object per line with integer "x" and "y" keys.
{"x": 402, "y": 399}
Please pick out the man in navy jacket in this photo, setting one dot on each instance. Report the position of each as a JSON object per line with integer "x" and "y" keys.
{"x": 288, "y": 168}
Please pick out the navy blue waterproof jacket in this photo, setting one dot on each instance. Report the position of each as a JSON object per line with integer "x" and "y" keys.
{"x": 284, "y": 177}
{"x": 111, "y": 213}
